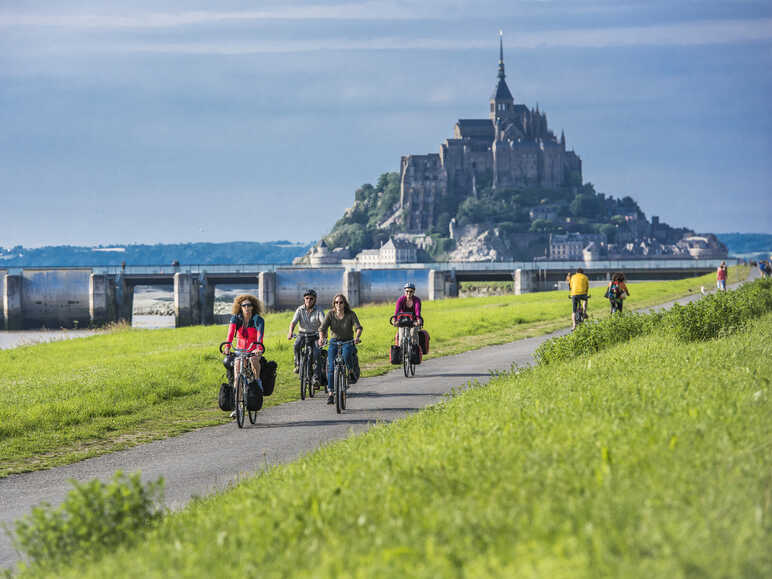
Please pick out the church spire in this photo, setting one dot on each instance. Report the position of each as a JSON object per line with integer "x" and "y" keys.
{"x": 501, "y": 55}
{"x": 501, "y": 101}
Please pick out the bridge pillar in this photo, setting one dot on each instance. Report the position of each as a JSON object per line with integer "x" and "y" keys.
{"x": 124, "y": 300}
{"x": 186, "y": 305}
{"x": 12, "y": 309}
{"x": 351, "y": 287}
{"x": 2, "y": 293}
{"x": 436, "y": 284}
{"x": 451, "y": 285}
{"x": 102, "y": 307}
{"x": 525, "y": 281}
{"x": 206, "y": 300}
{"x": 266, "y": 292}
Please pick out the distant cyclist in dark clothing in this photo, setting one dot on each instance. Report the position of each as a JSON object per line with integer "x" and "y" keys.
{"x": 617, "y": 291}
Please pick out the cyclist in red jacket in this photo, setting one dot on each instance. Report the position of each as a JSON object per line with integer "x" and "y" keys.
{"x": 248, "y": 328}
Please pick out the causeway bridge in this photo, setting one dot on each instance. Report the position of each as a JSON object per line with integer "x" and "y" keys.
{"x": 67, "y": 297}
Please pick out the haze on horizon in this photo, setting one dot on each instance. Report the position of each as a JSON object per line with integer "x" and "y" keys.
{"x": 166, "y": 122}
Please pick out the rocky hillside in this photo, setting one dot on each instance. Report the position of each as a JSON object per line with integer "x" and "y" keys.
{"x": 503, "y": 224}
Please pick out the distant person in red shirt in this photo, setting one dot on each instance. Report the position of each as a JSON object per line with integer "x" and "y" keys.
{"x": 721, "y": 276}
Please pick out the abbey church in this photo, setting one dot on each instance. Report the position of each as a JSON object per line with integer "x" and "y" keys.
{"x": 513, "y": 148}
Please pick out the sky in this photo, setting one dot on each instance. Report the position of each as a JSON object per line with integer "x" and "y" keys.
{"x": 164, "y": 122}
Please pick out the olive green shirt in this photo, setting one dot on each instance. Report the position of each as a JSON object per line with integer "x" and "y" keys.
{"x": 342, "y": 328}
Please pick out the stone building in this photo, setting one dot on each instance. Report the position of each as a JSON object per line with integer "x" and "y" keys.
{"x": 392, "y": 252}
{"x": 322, "y": 255}
{"x": 571, "y": 246}
{"x": 512, "y": 148}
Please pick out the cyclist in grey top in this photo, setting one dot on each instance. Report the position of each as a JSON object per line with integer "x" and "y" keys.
{"x": 310, "y": 318}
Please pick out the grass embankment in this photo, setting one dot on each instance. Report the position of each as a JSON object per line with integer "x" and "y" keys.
{"x": 65, "y": 401}
{"x": 649, "y": 459}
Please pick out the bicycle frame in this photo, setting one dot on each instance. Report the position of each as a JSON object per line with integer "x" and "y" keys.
{"x": 306, "y": 364}
{"x": 340, "y": 377}
{"x": 242, "y": 376}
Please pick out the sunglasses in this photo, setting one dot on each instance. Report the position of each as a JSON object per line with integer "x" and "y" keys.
{"x": 339, "y": 302}
{"x": 409, "y": 291}
{"x": 246, "y": 305}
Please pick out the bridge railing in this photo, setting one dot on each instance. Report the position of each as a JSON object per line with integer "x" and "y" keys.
{"x": 599, "y": 265}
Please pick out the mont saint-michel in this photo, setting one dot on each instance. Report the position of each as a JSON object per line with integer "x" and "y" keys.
{"x": 501, "y": 188}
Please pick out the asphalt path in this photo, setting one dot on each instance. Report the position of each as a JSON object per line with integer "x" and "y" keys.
{"x": 211, "y": 459}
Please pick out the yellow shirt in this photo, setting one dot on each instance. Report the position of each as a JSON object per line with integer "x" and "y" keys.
{"x": 579, "y": 285}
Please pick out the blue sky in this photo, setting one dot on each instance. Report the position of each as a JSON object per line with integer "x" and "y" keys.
{"x": 166, "y": 121}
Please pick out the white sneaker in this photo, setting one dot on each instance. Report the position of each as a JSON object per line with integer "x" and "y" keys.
{"x": 233, "y": 414}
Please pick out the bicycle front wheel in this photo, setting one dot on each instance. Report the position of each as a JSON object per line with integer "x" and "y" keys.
{"x": 310, "y": 374}
{"x": 340, "y": 404}
{"x": 241, "y": 400}
{"x": 303, "y": 377}
{"x": 406, "y": 358}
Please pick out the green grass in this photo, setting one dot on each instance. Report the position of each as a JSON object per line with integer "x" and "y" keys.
{"x": 717, "y": 314}
{"x": 649, "y": 459}
{"x": 65, "y": 401}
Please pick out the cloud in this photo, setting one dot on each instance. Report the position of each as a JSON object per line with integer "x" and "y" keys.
{"x": 704, "y": 32}
{"x": 683, "y": 34}
{"x": 91, "y": 20}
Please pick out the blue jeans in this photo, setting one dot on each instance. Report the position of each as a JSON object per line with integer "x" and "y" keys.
{"x": 317, "y": 350}
{"x": 332, "y": 352}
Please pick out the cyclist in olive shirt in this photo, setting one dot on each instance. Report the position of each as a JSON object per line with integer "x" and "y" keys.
{"x": 345, "y": 326}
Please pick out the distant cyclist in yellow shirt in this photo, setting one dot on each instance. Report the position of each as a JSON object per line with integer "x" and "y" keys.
{"x": 579, "y": 288}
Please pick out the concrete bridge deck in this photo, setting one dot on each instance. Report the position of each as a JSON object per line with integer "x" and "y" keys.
{"x": 82, "y": 297}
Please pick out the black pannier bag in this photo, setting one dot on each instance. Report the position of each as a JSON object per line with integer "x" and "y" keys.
{"x": 395, "y": 355}
{"x": 225, "y": 399}
{"x": 353, "y": 376}
{"x": 254, "y": 396}
{"x": 323, "y": 369}
{"x": 268, "y": 376}
{"x": 415, "y": 354}
{"x": 423, "y": 341}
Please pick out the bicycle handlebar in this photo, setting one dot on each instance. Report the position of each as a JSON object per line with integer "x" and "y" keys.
{"x": 392, "y": 319}
{"x": 233, "y": 349}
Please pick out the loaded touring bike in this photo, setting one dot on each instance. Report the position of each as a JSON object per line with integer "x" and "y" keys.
{"x": 248, "y": 397}
{"x": 407, "y": 345}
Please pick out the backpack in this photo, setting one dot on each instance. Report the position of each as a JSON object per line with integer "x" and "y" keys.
{"x": 225, "y": 399}
{"x": 614, "y": 292}
{"x": 268, "y": 376}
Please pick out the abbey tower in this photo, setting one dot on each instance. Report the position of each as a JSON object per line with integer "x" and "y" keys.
{"x": 511, "y": 149}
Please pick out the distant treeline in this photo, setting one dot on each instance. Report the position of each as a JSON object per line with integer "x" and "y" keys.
{"x": 738, "y": 243}
{"x": 235, "y": 252}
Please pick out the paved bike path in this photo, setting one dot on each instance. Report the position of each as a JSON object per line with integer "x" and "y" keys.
{"x": 210, "y": 459}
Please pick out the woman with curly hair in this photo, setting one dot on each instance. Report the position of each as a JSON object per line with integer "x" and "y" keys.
{"x": 345, "y": 327}
{"x": 248, "y": 328}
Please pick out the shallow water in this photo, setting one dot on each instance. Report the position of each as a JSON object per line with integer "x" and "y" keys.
{"x": 14, "y": 339}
